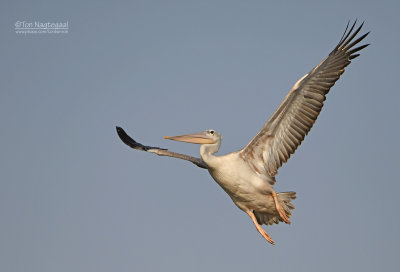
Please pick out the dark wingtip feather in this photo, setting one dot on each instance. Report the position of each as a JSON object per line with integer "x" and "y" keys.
{"x": 352, "y": 51}
{"x": 128, "y": 140}
{"x": 354, "y": 56}
{"x": 345, "y": 31}
{"x": 132, "y": 143}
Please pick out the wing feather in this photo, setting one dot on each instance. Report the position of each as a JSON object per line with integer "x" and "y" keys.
{"x": 126, "y": 139}
{"x": 294, "y": 118}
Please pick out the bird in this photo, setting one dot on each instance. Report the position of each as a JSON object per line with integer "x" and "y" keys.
{"x": 248, "y": 175}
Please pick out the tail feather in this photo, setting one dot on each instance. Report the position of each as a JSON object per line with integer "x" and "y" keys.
{"x": 274, "y": 218}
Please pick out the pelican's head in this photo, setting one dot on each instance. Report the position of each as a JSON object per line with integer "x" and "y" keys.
{"x": 209, "y": 136}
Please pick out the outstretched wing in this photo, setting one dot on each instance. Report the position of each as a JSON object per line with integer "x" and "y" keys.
{"x": 287, "y": 127}
{"x": 157, "y": 150}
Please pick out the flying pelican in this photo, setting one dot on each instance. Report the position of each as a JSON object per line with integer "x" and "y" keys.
{"x": 248, "y": 175}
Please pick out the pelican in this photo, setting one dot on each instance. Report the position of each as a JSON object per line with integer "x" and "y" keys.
{"x": 248, "y": 175}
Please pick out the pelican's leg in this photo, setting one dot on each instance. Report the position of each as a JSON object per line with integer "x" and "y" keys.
{"x": 279, "y": 208}
{"x": 259, "y": 228}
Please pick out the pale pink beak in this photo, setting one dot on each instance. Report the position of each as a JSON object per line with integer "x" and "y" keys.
{"x": 195, "y": 138}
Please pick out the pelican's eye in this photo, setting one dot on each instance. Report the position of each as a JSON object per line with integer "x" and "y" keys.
{"x": 211, "y": 132}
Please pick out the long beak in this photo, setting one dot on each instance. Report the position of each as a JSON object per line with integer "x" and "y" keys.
{"x": 195, "y": 138}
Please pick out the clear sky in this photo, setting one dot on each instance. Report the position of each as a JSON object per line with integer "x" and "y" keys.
{"x": 73, "y": 197}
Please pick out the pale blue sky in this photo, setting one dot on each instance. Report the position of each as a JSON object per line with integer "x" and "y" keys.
{"x": 74, "y": 198}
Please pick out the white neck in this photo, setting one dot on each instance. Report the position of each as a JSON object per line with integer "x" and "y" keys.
{"x": 207, "y": 152}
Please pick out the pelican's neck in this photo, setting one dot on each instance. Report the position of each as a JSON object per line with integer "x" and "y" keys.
{"x": 207, "y": 152}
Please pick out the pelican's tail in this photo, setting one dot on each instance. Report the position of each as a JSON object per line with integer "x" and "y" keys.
{"x": 285, "y": 201}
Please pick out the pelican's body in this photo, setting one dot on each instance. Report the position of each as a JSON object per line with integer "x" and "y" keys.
{"x": 248, "y": 175}
{"x": 239, "y": 181}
